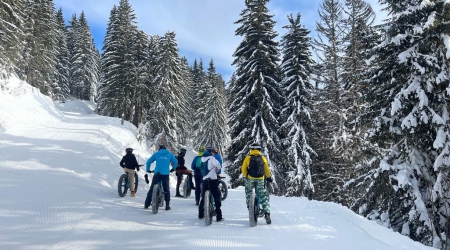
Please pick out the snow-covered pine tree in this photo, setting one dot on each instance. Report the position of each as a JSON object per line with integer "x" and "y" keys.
{"x": 141, "y": 69}
{"x": 117, "y": 63}
{"x": 84, "y": 62}
{"x": 327, "y": 117}
{"x": 213, "y": 124}
{"x": 199, "y": 102}
{"x": 407, "y": 188}
{"x": 163, "y": 115}
{"x": 72, "y": 41}
{"x": 61, "y": 75}
{"x": 186, "y": 116}
{"x": 11, "y": 34}
{"x": 257, "y": 97}
{"x": 39, "y": 54}
{"x": 296, "y": 83}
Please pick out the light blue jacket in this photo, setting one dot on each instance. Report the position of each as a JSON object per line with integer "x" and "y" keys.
{"x": 163, "y": 159}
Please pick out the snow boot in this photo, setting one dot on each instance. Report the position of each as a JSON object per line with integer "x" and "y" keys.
{"x": 167, "y": 206}
{"x": 133, "y": 194}
{"x": 267, "y": 217}
{"x": 197, "y": 203}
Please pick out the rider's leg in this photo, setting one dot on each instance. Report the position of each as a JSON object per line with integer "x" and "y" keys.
{"x": 131, "y": 176}
{"x": 217, "y": 198}
{"x": 165, "y": 184}
{"x": 201, "y": 207}
{"x": 179, "y": 180}
{"x": 264, "y": 196}
{"x": 148, "y": 200}
{"x": 248, "y": 189}
{"x": 198, "y": 181}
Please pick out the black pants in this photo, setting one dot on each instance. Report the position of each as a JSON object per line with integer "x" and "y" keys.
{"x": 198, "y": 180}
{"x": 165, "y": 184}
{"x": 214, "y": 188}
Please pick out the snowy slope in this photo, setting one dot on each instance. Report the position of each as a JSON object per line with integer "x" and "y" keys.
{"x": 59, "y": 170}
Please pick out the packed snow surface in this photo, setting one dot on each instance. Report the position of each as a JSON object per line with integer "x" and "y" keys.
{"x": 59, "y": 165}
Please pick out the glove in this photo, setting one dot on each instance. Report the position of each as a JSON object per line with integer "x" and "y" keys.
{"x": 146, "y": 179}
{"x": 138, "y": 169}
{"x": 176, "y": 173}
{"x": 171, "y": 170}
{"x": 269, "y": 180}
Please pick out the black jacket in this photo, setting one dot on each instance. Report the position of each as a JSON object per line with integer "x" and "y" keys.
{"x": 181, "y": 162}
{"x": 129, "y": 161}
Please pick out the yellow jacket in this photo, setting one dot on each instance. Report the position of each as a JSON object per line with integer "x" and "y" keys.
{"x": 246, "y": 162}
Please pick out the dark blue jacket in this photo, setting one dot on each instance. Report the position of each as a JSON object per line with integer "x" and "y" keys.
{"x": 219, "y": 159}
{"x": 197, "y": 171}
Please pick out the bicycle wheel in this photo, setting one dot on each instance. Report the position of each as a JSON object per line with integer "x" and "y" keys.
{"x": 155, "y": 199}
{"x": 207, "y": 208}
{"x": 223, "y": 190}
{"x": 253, "y": 210}
{"x": 122, "y": 185}
{"x": 136, "y": 181}
{"x": 186, "y": 187}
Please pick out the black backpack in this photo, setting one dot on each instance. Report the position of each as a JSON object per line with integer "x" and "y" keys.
{"x": 256, "y": 166}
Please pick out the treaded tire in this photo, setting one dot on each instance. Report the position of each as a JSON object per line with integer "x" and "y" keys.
{"x": 223, "y": 190}
{"x": 185, "y": 188}
{"x": 252, "y": 211}
{"x": 136, "y": 182}
{"x": 155, "y": 199}
{"x": 207, "y": 208}
{"x": 122, "y": 185}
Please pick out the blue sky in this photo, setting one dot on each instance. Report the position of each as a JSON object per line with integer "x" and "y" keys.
{"x": 204, "y": 28}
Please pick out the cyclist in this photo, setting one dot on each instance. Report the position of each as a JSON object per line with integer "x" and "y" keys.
{"x": 181, "y": 169}
{"x": 163, "y": 159}
{"x": 213, "y": 166}
{"x": 198, "y": 177}
{"x": 129, "y": 164}
{"x": 255, "y": 150}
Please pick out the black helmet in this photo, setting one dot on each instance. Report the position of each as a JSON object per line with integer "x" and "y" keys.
{"x": 162, "y": 146}
{"x": 183, "y": 151}
{"x": 210, "y": 148}
{"x": 129, "y": 150}
{"x": 255, "y": 146}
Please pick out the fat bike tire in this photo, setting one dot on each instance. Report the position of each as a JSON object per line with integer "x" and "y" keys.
{"x": 208, "y": 208}
{"x": 223, "y": 190}
{"x": 122, "y": 185}
{"x": 155, "y": 199}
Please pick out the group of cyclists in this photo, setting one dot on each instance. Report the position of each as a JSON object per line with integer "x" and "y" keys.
{"x": 167, "y": 163}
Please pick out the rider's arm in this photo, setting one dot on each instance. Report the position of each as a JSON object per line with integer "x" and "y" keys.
{"x": 122, "y": 162}
{"x": 149, "y": 162}
{"x": 136, "y": 164}
{"x": 219, "y": 159}
{"x": 174, "y": 162}
{"x": 244, "y": 167}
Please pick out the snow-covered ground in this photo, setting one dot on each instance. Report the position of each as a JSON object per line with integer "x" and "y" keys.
{"x": 59, "y": 167}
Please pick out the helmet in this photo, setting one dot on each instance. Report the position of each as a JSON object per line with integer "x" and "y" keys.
{"x": 255, "y": 146}
{"x": 162, "y": 146}
{"x": 210, "y": 148}
{"x": 201, "y": 148}
{"x": 129, "y": 150}
{"x": 183, "y": 151}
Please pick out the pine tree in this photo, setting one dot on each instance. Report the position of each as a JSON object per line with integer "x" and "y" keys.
{"x": 11, "y": 34}
{"x": 213, "y": 126}
{"x": 39, "y": 55}
{"x": 84, "y": 62}
{"x": 186, "y": 113}
{"x": 163, "y": 119}
{"x": 257, "y": 96}
{"x": 296, "y": 70}
{"x": 61, "y": 76}
{"x": 407, "y": 187}
{"x": 200, "y": 88}
{"x": 328, "y": 115}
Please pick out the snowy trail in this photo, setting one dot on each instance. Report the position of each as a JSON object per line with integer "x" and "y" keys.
{"x": 59, "y": 174}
